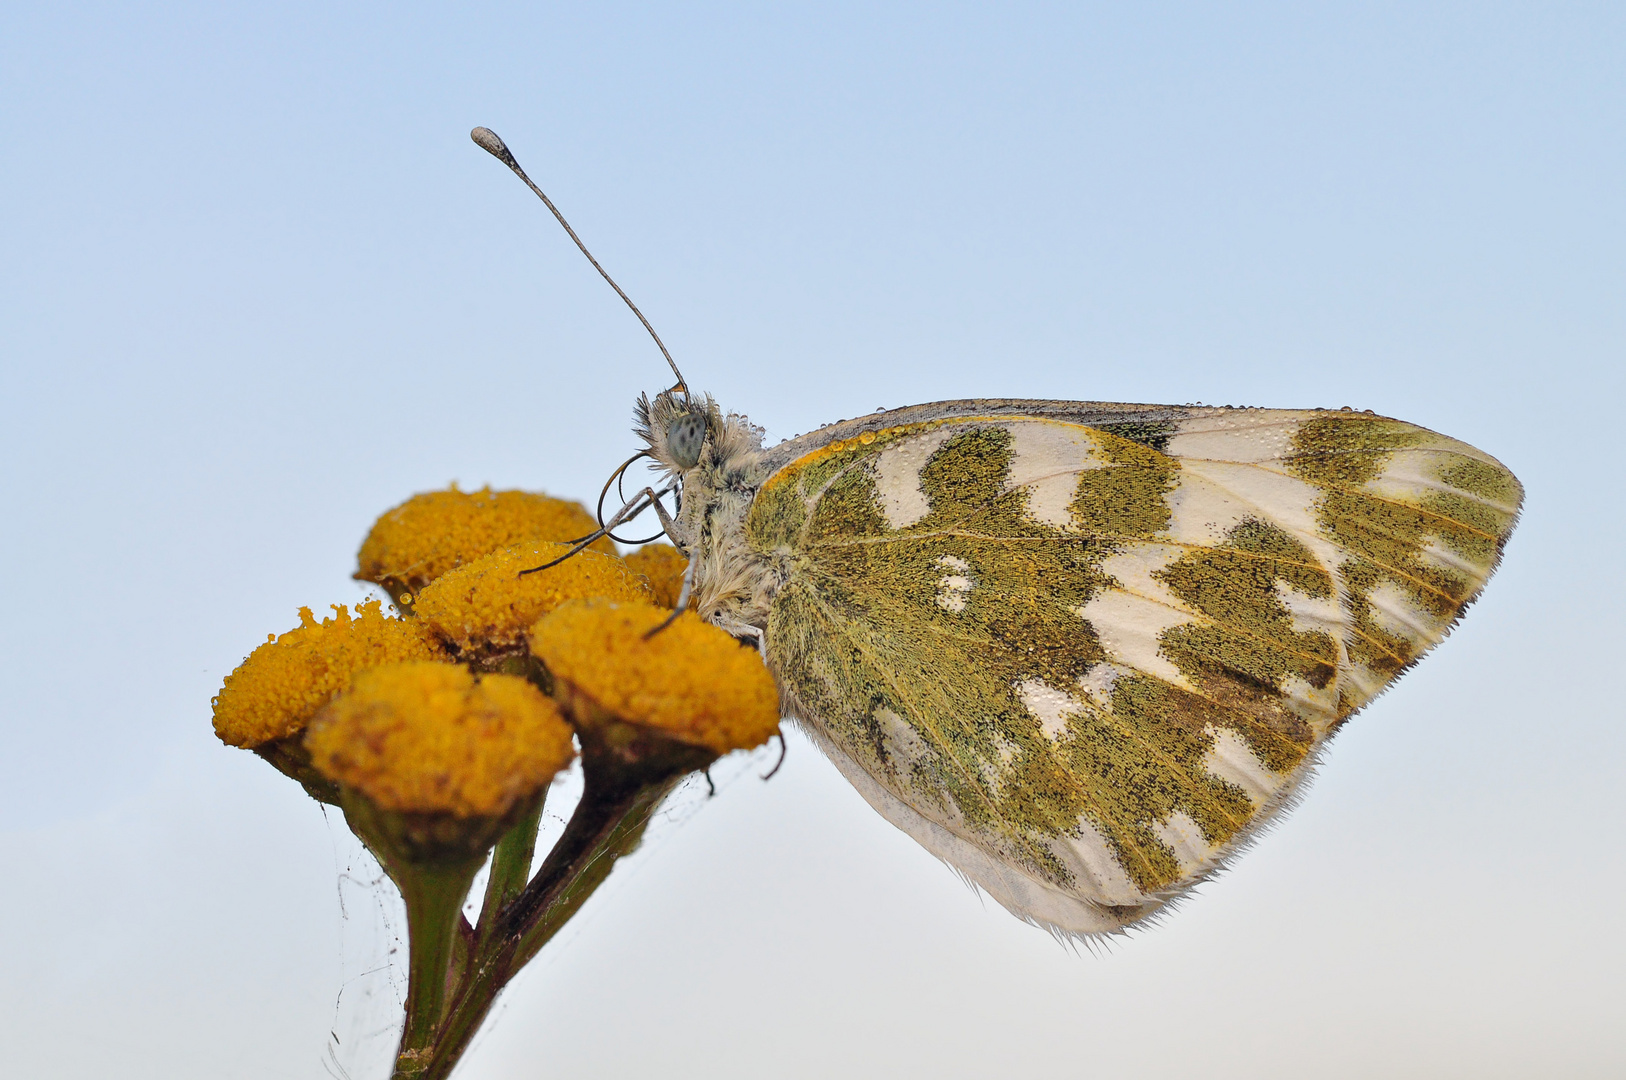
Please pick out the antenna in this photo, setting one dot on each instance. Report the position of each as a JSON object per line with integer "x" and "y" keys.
{"x": 488, "y": 140}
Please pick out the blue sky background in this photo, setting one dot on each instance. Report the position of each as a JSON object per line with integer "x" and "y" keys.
{"x": 260, "y": 287}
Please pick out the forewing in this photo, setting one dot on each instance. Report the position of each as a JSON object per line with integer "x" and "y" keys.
{"x": 1083, "y": 663}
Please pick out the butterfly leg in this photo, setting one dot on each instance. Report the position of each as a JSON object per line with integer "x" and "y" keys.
{"x": 746, "y": 632}
{"x": 780, "y": 735}
{"x": 670, "y": 526}
{"x": 682, "y": 600}
{"x": 631, "y": 510}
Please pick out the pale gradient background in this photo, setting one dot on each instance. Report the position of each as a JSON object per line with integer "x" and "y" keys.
{"x": 258, "y": 286}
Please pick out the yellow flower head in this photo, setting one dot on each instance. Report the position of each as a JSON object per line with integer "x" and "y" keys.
{"x": 662, "y": 565}
{"x": 691, "y": 681}
{"x": 434, "y": 532}
{"x": 488, "y": 606}
{"x": 432, "y": 738}
{"x": 276, "y": 691}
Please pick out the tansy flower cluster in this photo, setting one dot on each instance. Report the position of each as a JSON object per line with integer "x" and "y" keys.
{"x": 437, "y": 531}
{"x": 438, "y": 731}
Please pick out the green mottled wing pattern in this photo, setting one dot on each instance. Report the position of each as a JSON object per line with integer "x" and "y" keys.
{"x": 1082, "y": 662}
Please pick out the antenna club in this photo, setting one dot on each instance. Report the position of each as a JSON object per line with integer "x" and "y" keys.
{"x": 488, "y": 140}
{"x": 492, "y": 143}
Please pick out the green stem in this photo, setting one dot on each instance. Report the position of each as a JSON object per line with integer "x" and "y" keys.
{"x": 434, "y": 897}
{"x": 608, "y": 823}
{"x": 510, "y": 867}
{"x": 620, "y": 833}
{"x": 433, "y": 877}
{"x": 627, "y": 771}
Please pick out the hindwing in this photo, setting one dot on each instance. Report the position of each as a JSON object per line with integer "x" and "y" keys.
{"x": 1084, "y": 661}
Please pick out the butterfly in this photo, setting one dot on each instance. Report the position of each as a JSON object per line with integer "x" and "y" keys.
{"x": 1082, "y": 652}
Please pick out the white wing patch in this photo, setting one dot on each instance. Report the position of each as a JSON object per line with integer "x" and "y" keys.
{"x": 1407, "y": 476}
{"x": 1185, "y": 838}
{"x": 1411, "y": 475}
{"x": 1238, "y": 437}
{"x": 1130, "y": 619}
{"x": 901, "y": 741}
{"x": 897, "y": 477}
{"x": 1096, "y": 868}
{"x": 1397, "y": 614}
{"x": 1046, "y": 459}
{"x": 1231, "y": 759}
{"x": 1098, "y": 682}
{"x": 1440, "y": 557}
{"x": 1050, "y": 705}
{"x": 1311, "y": 614}
{"x": 954, "y": 587}
{"x": 1318, "y": 708}
{"x": 1214, "y": 497}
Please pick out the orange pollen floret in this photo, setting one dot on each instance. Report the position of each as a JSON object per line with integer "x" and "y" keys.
{"x": 662, "y": 565}
{"x": 692, "y": 680}
{"x": 275, "y": 692}
{"x": 487, "y": 604}
{"x": 434, "y": 532}
{"x": 431, "y": 738}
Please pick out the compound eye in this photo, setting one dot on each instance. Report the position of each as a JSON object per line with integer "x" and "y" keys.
{"x": 684, "y": 438}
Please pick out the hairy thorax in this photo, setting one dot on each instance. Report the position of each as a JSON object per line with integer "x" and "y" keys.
{"x": 732, "y": 585}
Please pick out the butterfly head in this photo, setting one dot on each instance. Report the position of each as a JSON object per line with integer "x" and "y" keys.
{"x": 676, "y": 427}
{"x": 683, "y": 432}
